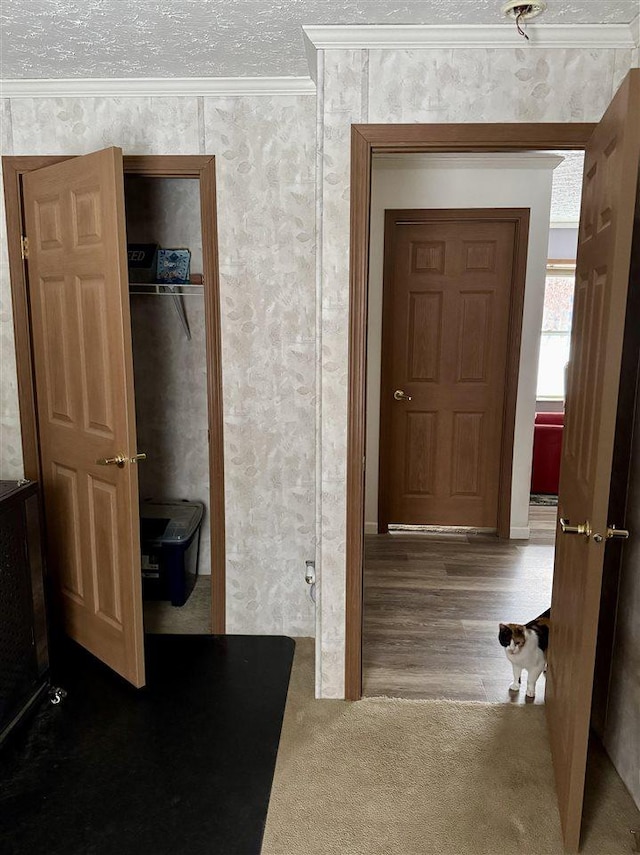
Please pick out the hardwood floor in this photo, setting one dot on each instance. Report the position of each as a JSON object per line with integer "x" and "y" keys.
{"x": 432, "y": 604}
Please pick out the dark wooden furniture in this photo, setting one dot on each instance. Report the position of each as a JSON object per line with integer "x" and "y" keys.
{"x": 24, "y": 660}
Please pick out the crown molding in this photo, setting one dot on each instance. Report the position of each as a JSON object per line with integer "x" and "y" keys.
{"x": 425, "y": 36}
{"x": 156, "y": 87}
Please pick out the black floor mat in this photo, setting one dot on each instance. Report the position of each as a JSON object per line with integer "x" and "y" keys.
{"x": 182, "y": 767}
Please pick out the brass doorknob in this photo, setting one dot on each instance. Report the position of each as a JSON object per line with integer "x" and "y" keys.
{"x": 118, "y": 461}
{"x": 618, "y": 533}
{"x": 136, "y": 457}
{"x": 582, "y": 528}
{"x": 399, "y": 395}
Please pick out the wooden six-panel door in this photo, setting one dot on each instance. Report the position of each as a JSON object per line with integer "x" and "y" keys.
{"x": 606, "y": 234}
{"x": 447, "y": 309}
{"x": 78, "y": 290}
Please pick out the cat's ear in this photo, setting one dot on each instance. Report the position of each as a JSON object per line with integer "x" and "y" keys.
{"x": 504, "y": 636}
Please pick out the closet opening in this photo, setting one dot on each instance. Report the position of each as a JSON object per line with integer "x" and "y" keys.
{"x": 166, "y": 291}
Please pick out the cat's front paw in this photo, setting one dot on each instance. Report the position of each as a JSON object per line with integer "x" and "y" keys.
{"x": 514, "y": 687}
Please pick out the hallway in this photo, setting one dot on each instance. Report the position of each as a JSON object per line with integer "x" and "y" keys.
{"x": 432, "y": 604}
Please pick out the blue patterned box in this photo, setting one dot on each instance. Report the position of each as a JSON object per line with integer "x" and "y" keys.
{"x": 173, "y": 266}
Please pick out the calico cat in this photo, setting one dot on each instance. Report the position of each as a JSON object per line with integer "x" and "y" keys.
{"x": 526, "y": 649}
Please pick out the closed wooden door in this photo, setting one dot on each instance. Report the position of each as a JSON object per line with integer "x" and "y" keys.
{"x": 447, "y": 308}
{"x": 78, "y": 290}
{"x": 609, "y": 200}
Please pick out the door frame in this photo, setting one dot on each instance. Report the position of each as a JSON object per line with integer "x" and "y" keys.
{"x": 520, "y": 218}
{"x": 201, "y": 167}
{"x": 367, "y": 140}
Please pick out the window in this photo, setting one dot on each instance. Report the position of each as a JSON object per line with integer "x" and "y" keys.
{"x": 556, "y": 332}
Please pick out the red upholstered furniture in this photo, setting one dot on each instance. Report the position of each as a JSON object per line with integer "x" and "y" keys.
{"x": 547, "y": 448}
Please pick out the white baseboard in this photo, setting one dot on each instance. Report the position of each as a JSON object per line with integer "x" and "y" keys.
{"x": 519, "y": 532}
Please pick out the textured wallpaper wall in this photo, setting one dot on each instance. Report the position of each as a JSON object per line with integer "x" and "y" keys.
{"x": 265, "y": 148}
{"x": 361, "y": 86}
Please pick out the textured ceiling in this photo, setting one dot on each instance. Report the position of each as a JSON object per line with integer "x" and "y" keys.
{"x": 221, "y": 38}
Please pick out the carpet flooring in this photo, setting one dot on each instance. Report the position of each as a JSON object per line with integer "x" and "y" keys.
{"x": 408, "y": 777}
{"x": 181, "y": 767}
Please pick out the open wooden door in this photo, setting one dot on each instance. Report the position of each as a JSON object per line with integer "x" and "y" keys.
{"x": 610, "y": 189}
{"x": 78, "y": 288}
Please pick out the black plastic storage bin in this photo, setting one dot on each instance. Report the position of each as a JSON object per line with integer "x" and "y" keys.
{"x": 170, "y": 541}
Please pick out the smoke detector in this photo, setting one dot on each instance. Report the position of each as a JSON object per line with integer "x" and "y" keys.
{"x": 519, "y": 10}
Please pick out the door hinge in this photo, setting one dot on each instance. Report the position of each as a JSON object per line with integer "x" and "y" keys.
{"x": 24, "y": 247}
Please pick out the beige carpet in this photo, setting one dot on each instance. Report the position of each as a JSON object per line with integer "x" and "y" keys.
{"x": 404, "y": 777}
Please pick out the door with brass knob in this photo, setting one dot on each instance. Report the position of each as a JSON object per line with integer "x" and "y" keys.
{"x": 603, "y": 275}
{"x": 583, "y": 529}
{"x": 451, "y": 296}
{"x": 83, "y": 368}
{"x": 617, "y": 533}
{"x": 119, "y": 460}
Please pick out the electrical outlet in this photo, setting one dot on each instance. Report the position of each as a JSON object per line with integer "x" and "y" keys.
{"x": 310, "y": 572}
